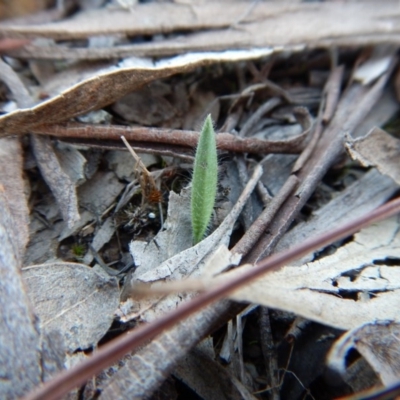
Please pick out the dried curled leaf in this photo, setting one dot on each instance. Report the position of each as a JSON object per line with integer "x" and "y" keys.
{"x": 355, "y": 285}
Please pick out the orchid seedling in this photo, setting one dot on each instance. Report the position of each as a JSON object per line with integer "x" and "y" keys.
{"x": 204, "y": 181}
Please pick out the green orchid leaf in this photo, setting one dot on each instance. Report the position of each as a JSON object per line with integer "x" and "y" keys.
{"x": 204, "y": 181}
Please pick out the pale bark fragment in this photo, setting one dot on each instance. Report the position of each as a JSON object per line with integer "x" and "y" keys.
{"x": 20, "y": 357}
{"x": 11, "y": 177}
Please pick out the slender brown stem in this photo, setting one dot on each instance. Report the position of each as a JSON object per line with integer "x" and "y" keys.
{"x": 259, "y": 226}
{"x": 225, "y": 141}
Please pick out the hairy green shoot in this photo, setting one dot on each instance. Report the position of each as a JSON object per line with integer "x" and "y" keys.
{"x": 204, "y": 181}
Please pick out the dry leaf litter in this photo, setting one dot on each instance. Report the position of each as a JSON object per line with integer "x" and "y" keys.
{"x": 306, "y": 122}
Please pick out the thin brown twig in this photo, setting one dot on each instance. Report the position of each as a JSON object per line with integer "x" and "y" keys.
{"x": 225, "y": 141}
{"x": 259, "y": 226}
{"x": 332, "y": 93}
{"x": 116, "y": 349}
{"x": 326, "y": 111}
{"x": 269, "y": 350}
{"x": 183, "y": 153}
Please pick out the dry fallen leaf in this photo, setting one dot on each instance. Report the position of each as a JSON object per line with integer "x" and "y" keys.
{"x": 110, "y": 84}
{"x": 77, "y": 301}
{"x": 95, "y": 196}
{"x": 378, "y": 343}
{"x": 60, "y": 183}
{"x": 355, "y": 285}
{"x": 20, "y": 358}
{"x": 377, "y": 149}
{"x": 241, "y": 25}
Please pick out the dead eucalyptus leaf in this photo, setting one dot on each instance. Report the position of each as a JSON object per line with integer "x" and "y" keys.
{"x": 377, "y": 149}
{"x": 73, "y": 299}
{"x": 59, "y": 182}
{"x": 378, "y": 343}
{"x": 355, "y": 285}
{"x": 240, "y": 25}
{"x": 44, "y": 244}
{"x": 175, "y": 237}
{"x": 95, "y": 196}
{"x": 102, "y": 236}
{"x": 109, "y": 85}
{"x": 146, "y": 106}
{"x": 145, "y": 19}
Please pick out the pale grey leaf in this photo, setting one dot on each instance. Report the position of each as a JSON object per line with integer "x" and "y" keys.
{"x": 377, "y": 149}
{"x": 20, "y": 368}
{"x": 74, "y": 299}
{"x": 58, "y": 181}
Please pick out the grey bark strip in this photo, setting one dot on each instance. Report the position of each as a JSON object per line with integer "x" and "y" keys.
{"x": 11, "y": 163}
{"x": 20, "y": 368}
{"x": 59, "y": 182}
{"x": 11, "y": 177}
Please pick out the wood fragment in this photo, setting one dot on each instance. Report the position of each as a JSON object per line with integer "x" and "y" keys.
{"x": 332, "y": 92}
